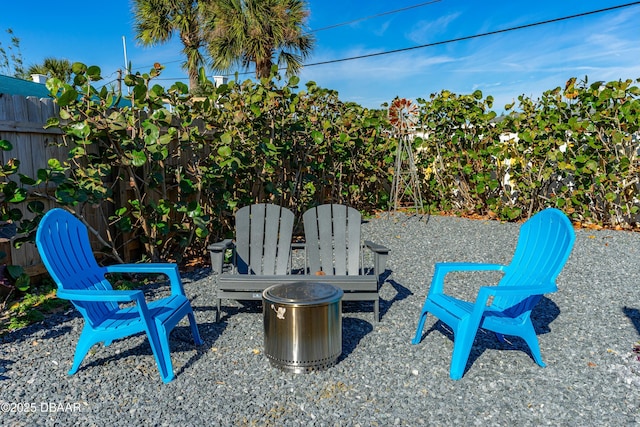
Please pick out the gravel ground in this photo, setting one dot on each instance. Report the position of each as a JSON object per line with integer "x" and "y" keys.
{"x": 586, "y": 331}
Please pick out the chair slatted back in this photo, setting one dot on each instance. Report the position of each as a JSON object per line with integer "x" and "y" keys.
{"x": 332, "y": 235}
{"x": 263, "y": 239}
{"x": 543, "y": 247}
{"x": 64, "y": 247}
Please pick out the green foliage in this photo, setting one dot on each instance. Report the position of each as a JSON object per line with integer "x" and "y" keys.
{"x": 136, "y": 164}
{"x": 12, "y": 194}
{"x": 573, "y": 149}
{"x": 170, "y": 168}
{"x": 457, "y": 151}
{"x": 52, "y": 67}
{"x": 166, "y": 168}
{"x": 32, "y": 307}
{"x": 297, "y": 147}
{"x": 156, "y": 21}
{"x": 268, "y": 33}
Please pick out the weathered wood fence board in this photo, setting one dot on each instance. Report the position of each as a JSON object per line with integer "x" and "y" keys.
{"x": 22, "y": 121}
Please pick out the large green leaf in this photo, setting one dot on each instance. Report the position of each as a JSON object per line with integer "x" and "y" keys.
{"x": 19, "y": 195}
{"x": 68, "y": 96}
{"x": 5, "y": 145}
{"x": 318, "y": 137}
{"x": 224, "y": 151}
{"x": 138, "y": 158}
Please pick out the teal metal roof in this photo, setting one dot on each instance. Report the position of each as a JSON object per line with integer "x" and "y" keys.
{"x": 14, "y": 86}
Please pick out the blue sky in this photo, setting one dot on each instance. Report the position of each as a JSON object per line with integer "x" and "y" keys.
{"x": 604, "y": 46}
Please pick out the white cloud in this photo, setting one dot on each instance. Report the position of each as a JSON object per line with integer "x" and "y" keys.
{"x": 382, "y": 29}
{"x": 423, "y": 31}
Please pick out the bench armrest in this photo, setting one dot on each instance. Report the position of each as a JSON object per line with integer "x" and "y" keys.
{"x": 380, "y": 256}
{"x": 217, "y": 250}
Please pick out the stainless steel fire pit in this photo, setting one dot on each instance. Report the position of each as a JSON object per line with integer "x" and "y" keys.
{"x": 302, "y": 325}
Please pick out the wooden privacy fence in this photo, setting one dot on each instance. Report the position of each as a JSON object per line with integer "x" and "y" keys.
{"x": 22, "y": 121}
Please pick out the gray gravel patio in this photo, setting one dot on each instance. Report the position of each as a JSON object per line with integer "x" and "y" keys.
{"x": 586, "y": 332}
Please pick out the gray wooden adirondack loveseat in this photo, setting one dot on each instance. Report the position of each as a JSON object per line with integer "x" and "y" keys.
{"x": 262, "y": 253}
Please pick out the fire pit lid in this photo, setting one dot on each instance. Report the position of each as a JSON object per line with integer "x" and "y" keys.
{"x": 303, "y": 293}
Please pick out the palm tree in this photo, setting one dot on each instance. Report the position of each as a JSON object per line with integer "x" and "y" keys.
{"x": 52, "y": 67}
{"x": 241, "y": 32}
{"x": 157, "y": 20}
{"x": 11, "y": 58}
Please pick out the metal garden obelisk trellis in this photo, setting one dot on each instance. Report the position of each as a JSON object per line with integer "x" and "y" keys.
{"x": 405, "y": 189}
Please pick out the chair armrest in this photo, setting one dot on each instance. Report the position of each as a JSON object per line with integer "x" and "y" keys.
{"x": 380, "y": 256}
{"x": 111, "y": 296}
{"x": 217, "y": 250}
{"x": 168, "y": 269}
{"x": 221, "y": 246}
{"x": 448, "y": 267}
{"x": 444, "y": 268}
{"x": 376, "y": 247}
{"x": 95, "y": 295}
{"x": 487, "y": 291}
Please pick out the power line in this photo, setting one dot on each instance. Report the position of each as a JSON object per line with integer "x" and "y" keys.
{"x": 372, "y": 16}
{"x": 490, "y": 33}
{"x": 164, "y": 63}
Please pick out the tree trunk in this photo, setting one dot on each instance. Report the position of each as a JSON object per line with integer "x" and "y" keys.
{"x": 193, "y": 80}
{"x": 263, "y": 68}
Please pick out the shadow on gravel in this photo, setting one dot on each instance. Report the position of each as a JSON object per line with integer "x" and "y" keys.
{"x": 353, "y": 330}
{"x": 634, "y": 315}
{"x": 241, "y": 306}
{"x": 53, "y": 325}
{"x": 180, "y": 340}
{"x": 542, "y": 315}
{"x": 209, "y": 332}
{"x": 3, "y": 368}
{"x": 401, "y": 293}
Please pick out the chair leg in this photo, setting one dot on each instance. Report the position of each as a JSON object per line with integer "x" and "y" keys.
{"x": 166, "y": 354}
{"x": 158, "y": 332}
{"x": 376, "y": 310}
{"x": 159, "y": 341}
{"x": 463, "y": 338}
{"x": 194, "y": 329}
{"x": 531, "y": 339}
{"x": 418, "y": 336}
{"x": 85, "y": 342}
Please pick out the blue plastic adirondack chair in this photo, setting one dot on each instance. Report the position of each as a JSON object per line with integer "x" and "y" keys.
{"x": 63, "y": 244}
{"x": 543, "y": 248}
